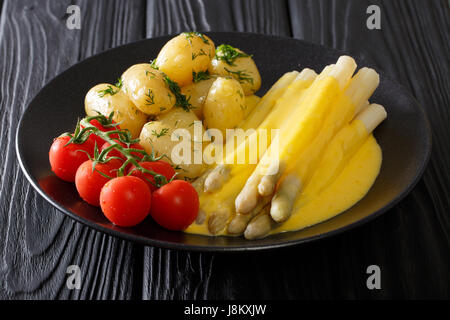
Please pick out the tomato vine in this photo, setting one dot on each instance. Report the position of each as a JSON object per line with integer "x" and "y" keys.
{"x": 84, "y": 129}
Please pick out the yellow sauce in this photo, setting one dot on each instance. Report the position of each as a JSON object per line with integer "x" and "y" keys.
{"x": 350, "y": 185}
{"x": 339, "y": 166}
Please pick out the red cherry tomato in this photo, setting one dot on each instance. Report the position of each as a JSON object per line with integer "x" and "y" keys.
{"x": 65, "y": 160}
{"x": 125, "y": 201}
{"x": 160, "y": 167}
{"x": 175, "y": 205}
{"x": 115, "y": 153}
{"x": 89, "y": 184}
{"x": 98, "y": 125}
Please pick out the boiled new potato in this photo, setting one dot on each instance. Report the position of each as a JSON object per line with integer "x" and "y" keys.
{"x": 186, "y": 53}
{"x": 224, "y": 105}
{"x": 157, "y": 136}
{"x": 105, "y": 98}
{"x": 147, "y": 89}
{"x": 196, "y": 93}
{"x": 230, "y": 61}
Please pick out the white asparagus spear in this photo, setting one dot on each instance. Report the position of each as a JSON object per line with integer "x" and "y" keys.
{"x": 240, "y": 221}
{"x": 265, "y": 105}
{"x": 269, "y": 181}
{"x": 198, "y": 185}
{"x": 201, "y": 217}
{"x": 282, "y": 202}
{"x": 260, "y": 225}
{"x": 218, "y": 219}
{"x": 248, "y": 197}
{"x": 216, "y": 178}
{"x": 372, "y": 116}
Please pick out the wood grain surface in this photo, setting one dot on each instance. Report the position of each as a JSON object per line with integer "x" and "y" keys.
{"x": 37, "y": 241}
{"x": 410, "y": 243}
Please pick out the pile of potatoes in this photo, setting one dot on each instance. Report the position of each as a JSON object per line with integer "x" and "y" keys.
{"x": 190, "y": 80}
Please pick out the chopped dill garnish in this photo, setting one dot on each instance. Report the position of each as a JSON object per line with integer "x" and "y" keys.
{"x": 202, "y": 75}
{"x": 180, "y": 99}
{"x": 110, "y": 91}
{"x": 200, "y": 53}
{"x": 151, "y": 97}
{"x": 151, "y": 73}
{"x": 191, "y": 34}
{"x": 163, "y": 132}
{"x": 229, "y": 54}
{"x": 241, "y": 75}
{"x": 119, "y": 83}
{"x": 153, "y": 64}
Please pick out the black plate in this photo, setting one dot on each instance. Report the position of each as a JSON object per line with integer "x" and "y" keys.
{"x": 404, "y": 138}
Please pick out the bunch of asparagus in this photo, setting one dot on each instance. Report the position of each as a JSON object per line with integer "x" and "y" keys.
{"x": 311, "y": 112}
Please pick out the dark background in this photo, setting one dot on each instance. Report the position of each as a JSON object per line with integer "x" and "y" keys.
{"x": 410, "y": 243}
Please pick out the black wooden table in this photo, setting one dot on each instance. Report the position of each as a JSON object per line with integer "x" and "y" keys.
{"x": 410, "y": 243}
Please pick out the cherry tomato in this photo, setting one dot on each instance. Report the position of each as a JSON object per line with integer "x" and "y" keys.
{"x": 125, "y": 201}
{"x": 89, "y": 184}
{"x": 115, "y": 153}
{"x": 160, "y": 167}
{"x": 98, "y": 125}
{"x": 65, "y": 160}
{"x": 175, "y": 205}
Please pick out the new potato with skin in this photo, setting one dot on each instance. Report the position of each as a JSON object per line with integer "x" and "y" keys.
{"x": 147, "y": 89}
{"x": 186, "y": 53}
{"x": 250, "y": 77}
{"x": 197, "y": 92}
{"x": 125, "y": 112}
{"x": 225, "y": 104}
{"x": 156, "y": 136}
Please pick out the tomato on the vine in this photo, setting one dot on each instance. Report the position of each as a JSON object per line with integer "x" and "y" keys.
{"x": 65, "y": 160}
{"x": 89, "y": 182}
{"x": 125, "y": 201}
{"x": 159, "y": 167}
{"x": 175, "y": 205}
{"x": 95, "y": 138}
{"x": 115, "y": 153}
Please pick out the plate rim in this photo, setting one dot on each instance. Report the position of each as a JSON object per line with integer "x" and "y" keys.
{"x": 220, "y": 248}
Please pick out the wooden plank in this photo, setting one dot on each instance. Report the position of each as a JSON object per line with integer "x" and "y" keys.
{"x": 174, "y": 16}
{"x": 38, "y": 242}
